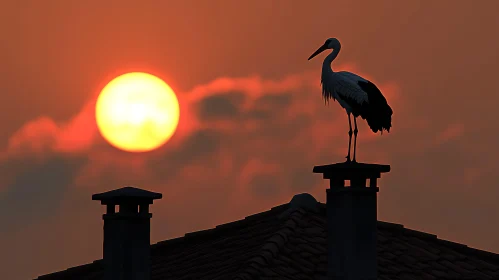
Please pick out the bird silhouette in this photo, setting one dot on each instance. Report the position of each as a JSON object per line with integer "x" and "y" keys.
{"x": 358, "y": 96}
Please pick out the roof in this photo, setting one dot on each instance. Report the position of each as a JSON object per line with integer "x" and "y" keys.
{"x": 289, "y": 242}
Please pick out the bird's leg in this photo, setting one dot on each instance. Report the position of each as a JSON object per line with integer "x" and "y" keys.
{"x": 349, "y": 137}
{"x": 355, "y": 131}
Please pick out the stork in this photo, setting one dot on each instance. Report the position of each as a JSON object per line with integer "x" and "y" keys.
{"x": 358, "y": 96}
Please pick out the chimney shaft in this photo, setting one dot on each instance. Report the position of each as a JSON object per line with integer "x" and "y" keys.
{"x": 127, "y": 233}
{"x": 352, "y": 220}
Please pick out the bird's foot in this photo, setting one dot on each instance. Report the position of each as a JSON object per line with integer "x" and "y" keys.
{"x": 348, "y": 158}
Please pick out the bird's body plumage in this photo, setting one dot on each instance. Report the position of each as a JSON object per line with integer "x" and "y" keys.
{"x": 358, "y": 96}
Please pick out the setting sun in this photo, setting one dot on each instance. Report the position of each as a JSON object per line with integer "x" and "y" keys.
{"x": 137, "y": 112}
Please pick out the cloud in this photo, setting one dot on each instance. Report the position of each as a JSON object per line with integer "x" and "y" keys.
{"x": 80, "y": 133}
{"x": 35, "y": 189}
{"x": 221, "y": 107}
{"x": 43, "y": 135}
{"x": 35, "y": 137}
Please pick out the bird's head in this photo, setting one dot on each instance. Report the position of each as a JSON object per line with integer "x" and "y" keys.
{"x": 331, "y": 43}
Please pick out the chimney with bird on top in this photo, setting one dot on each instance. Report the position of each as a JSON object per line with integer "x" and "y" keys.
{"x": 352, "y": 219}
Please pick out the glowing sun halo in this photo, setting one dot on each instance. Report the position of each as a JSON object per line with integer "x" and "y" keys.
{"x": 137, "y": 112}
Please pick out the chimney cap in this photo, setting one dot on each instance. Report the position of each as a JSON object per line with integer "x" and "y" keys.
{"x": 348, "y": 170}
{"x": 127, "y": 194}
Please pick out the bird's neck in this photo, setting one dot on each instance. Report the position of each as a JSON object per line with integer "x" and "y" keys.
{"x": 330, "y": 57}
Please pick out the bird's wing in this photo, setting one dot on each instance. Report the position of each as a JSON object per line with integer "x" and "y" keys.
{"x": 347, "y": 84}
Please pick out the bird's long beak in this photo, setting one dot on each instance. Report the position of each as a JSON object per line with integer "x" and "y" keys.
{"x": 318, "y": 51}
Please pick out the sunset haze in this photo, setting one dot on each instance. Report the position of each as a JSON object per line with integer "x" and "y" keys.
{"x": 252, "y": 121}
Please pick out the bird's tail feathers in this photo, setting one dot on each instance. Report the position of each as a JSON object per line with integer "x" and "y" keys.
{"x": 380, "y": 119}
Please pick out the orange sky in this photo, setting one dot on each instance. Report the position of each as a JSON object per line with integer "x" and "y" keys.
{"x": 252, "y": 120}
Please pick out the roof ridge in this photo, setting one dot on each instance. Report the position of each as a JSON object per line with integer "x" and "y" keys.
{"x": 273, "y": 245}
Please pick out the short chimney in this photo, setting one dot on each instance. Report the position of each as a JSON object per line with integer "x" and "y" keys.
{"x": 127, "y": 238}
{"x": 352, "y": 219}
